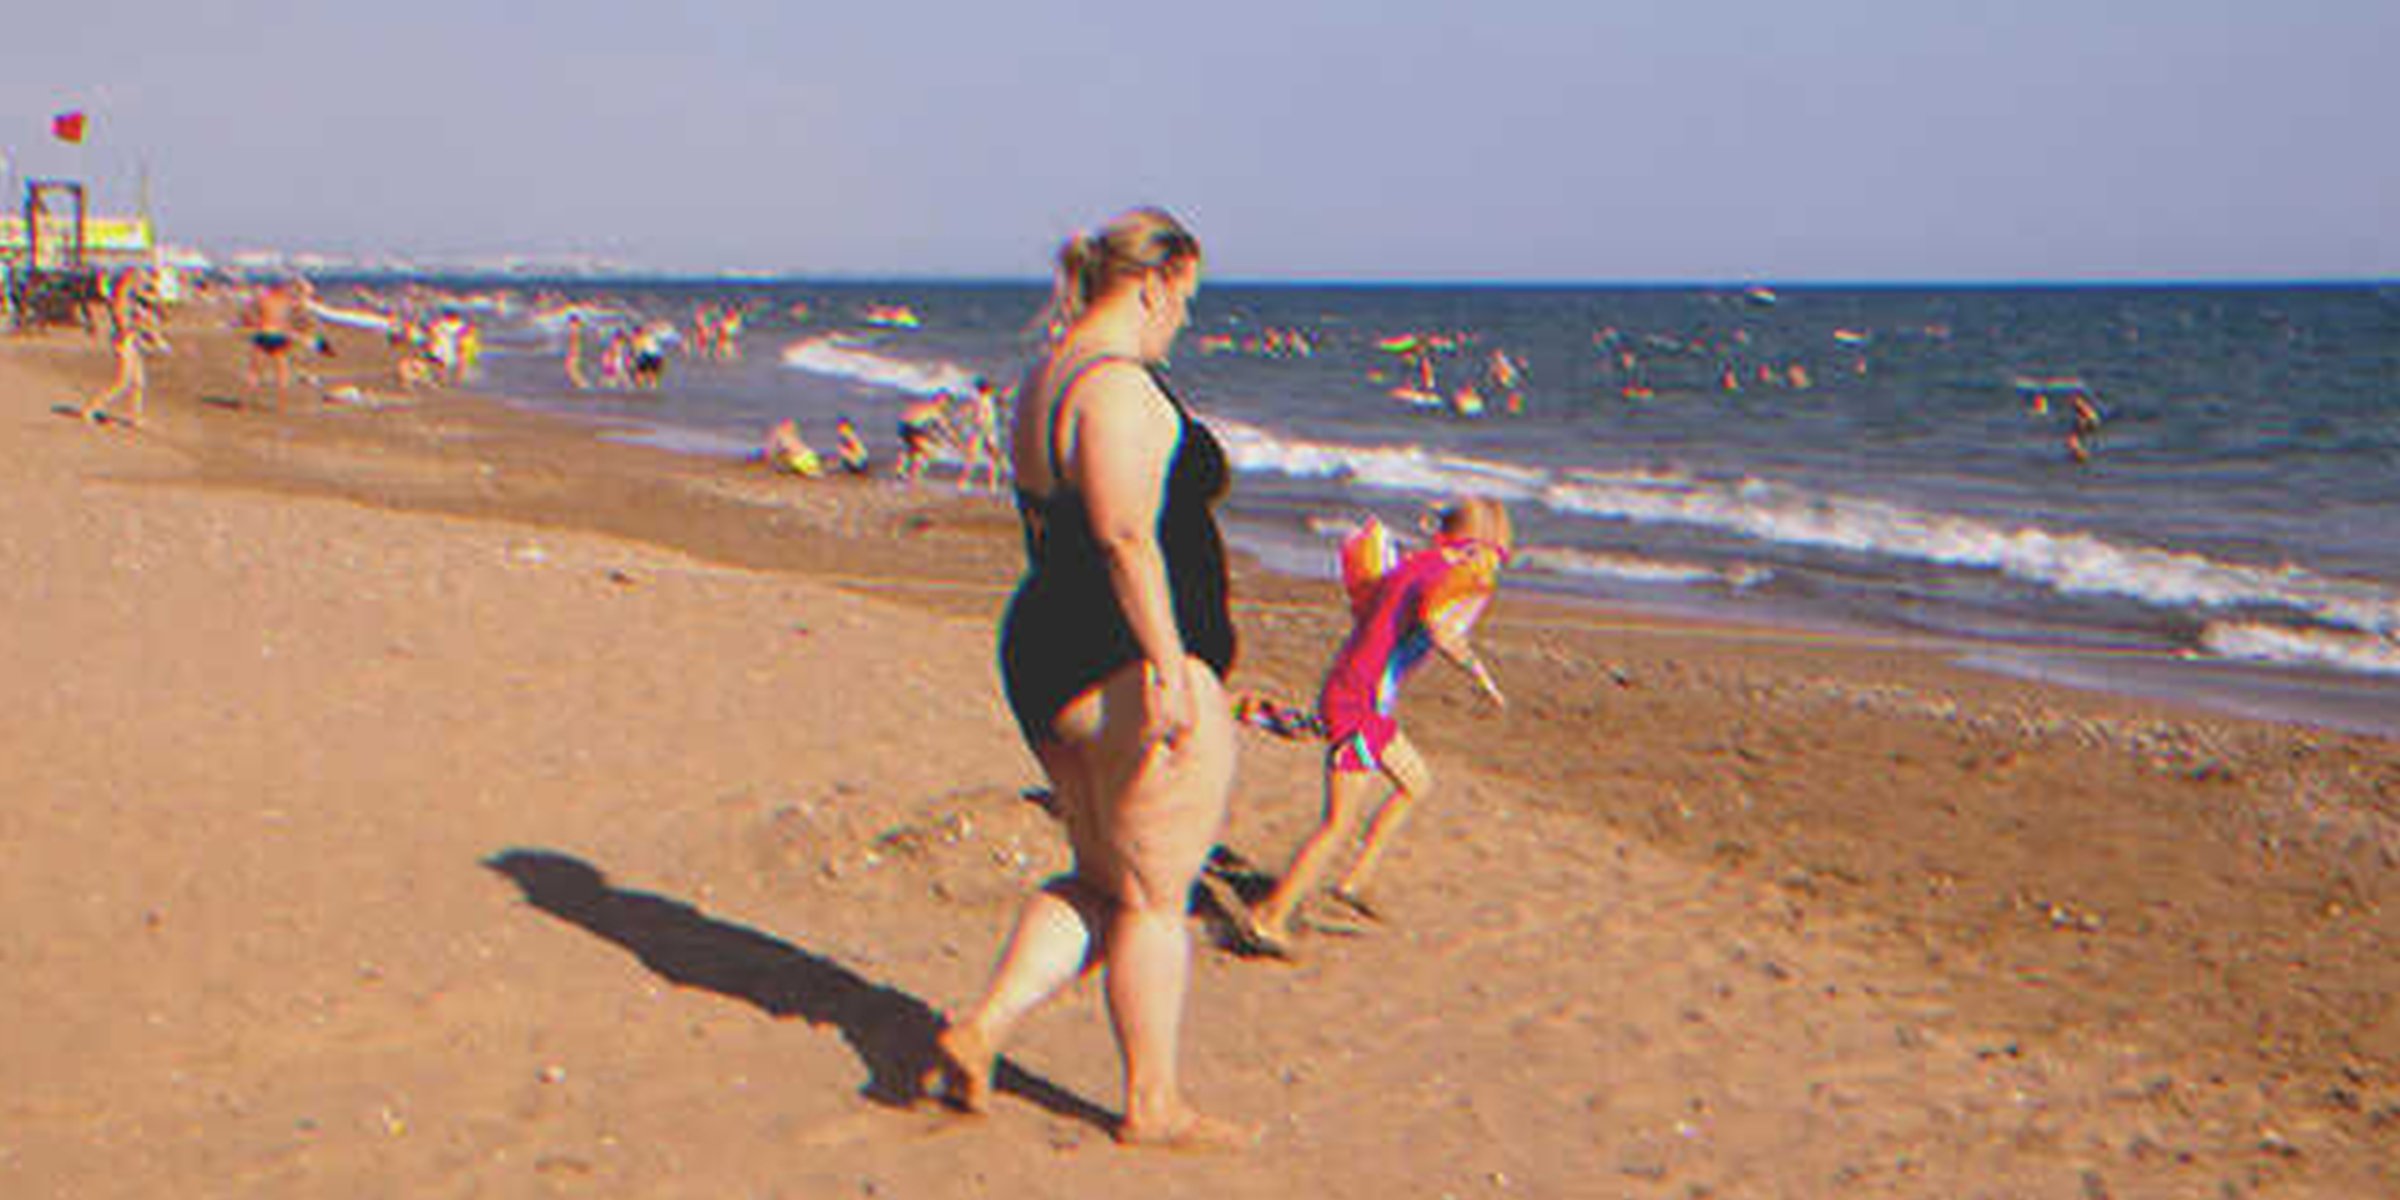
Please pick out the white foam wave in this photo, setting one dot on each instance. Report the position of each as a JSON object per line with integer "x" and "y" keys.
{"x": 350, "y": 318}
{"x": 850, "y": 358}
{"x": 2069, "y": 563}
{"x": 595, "y": 316}
{"x": 1588, "y": 564}
{"x": 1627, "y": 568}
{"x": 2253, "y": 642}
{"x": 1407, "y": 468}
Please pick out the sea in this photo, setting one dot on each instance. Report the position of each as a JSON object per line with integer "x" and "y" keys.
{"x": 2220, "y": 524}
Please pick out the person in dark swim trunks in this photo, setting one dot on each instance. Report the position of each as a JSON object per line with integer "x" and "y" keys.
{"x": 1113, "y": 653}
{"x": 274, "y": 317}
{"x": 924, "y": 425}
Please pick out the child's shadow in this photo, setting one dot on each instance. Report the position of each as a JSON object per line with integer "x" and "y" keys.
{"x": 891, "y": 1031}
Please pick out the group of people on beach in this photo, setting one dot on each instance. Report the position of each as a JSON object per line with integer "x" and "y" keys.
{"x": 787, "y": 450}
{"x": 1113, "y": 656}
{"x": 630, "y": 358}
{"x": 969, "y": 427}
{"x": 717, "y": 332}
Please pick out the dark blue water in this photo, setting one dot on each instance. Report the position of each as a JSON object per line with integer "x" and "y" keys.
{"x": 1864, "y": 457}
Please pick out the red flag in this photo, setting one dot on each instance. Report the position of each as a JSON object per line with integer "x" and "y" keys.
{"x": 67, "y": 126}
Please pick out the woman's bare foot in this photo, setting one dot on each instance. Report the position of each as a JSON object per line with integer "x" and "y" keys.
{"x": 1194, "y": 1133}
{"x": 1257, "y": 937}
{"x": 963, "y": 1077}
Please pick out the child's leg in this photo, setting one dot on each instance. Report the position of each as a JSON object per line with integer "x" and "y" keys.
{"x": 1347, "y": 794}
{"x": 1411, "y": 782}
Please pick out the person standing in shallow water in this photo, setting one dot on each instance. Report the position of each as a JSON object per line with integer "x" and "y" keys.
{"x": 1113, "y": 653}
{"x": 575, "y": 376}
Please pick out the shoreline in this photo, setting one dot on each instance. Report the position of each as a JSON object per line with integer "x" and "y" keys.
{"x": 1960, "y": 881}
{"x": 2339, "y": 701}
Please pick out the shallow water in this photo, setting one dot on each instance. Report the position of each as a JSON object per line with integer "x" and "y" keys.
{"x": 1861, "y": 456}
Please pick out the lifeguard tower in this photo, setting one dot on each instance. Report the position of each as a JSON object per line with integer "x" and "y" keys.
{"x": 53, "y": 253}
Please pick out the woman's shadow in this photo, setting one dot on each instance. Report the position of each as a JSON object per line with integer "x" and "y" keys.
{"x": 891, "y": 1031}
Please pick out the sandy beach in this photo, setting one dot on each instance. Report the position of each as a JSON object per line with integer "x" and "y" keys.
{"x": 431, "y": 798}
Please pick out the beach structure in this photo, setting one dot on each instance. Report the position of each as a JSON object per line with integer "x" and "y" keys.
{"x": 54, "y": 252}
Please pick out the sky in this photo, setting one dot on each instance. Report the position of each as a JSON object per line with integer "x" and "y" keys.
{"x": 1472, "y": 140}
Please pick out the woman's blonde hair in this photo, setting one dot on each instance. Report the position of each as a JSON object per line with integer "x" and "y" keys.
{"x": 1091, "y": 265}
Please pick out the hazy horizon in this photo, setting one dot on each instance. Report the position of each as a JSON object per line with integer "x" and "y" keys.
{"x": 1859, "y": 141}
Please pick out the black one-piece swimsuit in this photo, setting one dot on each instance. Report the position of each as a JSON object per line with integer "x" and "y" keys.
{"x": 1065, "y": 629}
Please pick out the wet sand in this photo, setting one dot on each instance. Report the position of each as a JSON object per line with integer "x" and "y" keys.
{"x": 430, "y": 798}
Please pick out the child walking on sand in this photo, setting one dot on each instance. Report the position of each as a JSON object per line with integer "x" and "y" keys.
{"x": 1401, "y": 606}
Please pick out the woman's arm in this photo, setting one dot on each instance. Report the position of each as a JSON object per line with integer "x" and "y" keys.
{"x": 1124, "y": 436}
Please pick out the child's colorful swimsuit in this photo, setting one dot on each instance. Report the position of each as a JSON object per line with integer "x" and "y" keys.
{"x": 1446, "y": 585}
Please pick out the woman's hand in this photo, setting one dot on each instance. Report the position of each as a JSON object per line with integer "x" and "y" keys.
{"x": 1167, "y": 705}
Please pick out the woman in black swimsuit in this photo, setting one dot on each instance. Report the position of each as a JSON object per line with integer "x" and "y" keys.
{"x": 1114, "y": 652}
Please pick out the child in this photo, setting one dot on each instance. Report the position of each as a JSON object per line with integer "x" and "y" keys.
{"x": 849, "y": 447}
{"x": 1401, "y": 606}
{"x": 787, "y": 451}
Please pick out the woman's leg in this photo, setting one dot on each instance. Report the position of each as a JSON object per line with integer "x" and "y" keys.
{"x": 1160, "y": 809}
{"x": 1056, "y": 938}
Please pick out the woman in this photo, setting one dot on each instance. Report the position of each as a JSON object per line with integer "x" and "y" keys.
{"x": 1114, "y": 651}
{"x": 1401, "y": 607}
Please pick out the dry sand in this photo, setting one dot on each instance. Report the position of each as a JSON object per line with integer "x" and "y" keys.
{"x": 432, "y": 800}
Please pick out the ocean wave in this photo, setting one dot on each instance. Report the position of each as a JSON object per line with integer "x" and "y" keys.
{"x": 846, "y": 357}
{"x": 2069, "y": 563}
{"x": 2065, "y": 562}
{"x": 350, "y": 318}
{"x": 1404, "y": 468}
{"x": 1592, "y": 564}
{"x": 1627, "y": 568}
{"x": 2254, "y": 642}
{"x": 594, "y": 316}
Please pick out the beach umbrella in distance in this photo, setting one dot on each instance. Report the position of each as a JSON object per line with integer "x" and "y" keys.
{"x": 68, "y": 126}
